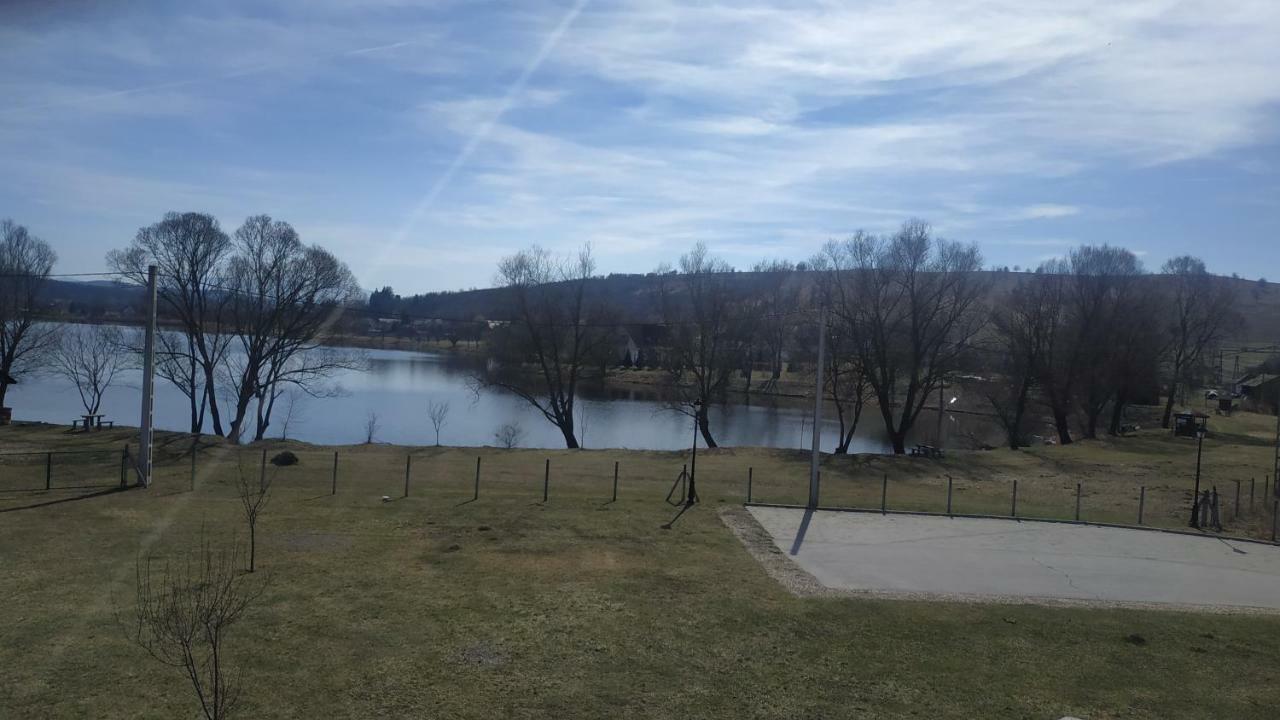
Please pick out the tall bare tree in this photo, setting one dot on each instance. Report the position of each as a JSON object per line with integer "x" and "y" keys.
{"x": 90, "y": 357}
{"x": 776, "y": 299}
{"x": 846, "y": 380}
{"x": 282, "y": 296}
{"x": 189, "y": 251}
{"x": 183, "y": 617}
{"x": 1101, "y": 291}
{"x": 915, "y": 303}
{"x": 1201, "y": 311}
{"x": 708, "y": 333}
{"x": 558, "y": 326}
{"x": 1024, "y": 323}
{"x": 25, "y": 264}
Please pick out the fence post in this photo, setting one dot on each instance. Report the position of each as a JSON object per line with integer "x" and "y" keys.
{"x": 124, "y": 459}
{"x": 546, "y": 479}
{"x": 884, "y": 493}
{"x": 684, "y": 477}
{"x": 1235, "y": 510}
{"x": 1142, "y": 501}
{"x": 615, "y": 481}
{"x": 476, "y": 494}
{"x": 194, "y": 443}
{"x": 262, "y": 470}
{"x": 1275, "y": 510}
{"x": 819, "y": 488}
{"x": 1077, "y": 502}
{"x": 948, "y": 495}
{"x": 1013, "y": 509}
{"x": 1251, "y": 483}
{"x": 1266, "y": 486}
{"x": 408, "y": 462}
{"x": 334, "y": 491}
{"x": 48, "y": 471}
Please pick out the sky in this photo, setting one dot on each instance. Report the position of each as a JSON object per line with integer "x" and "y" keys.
{"x": 423, "y": 141}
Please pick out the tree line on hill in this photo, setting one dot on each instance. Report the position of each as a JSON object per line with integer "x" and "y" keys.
{"x": 1077, "y": 341}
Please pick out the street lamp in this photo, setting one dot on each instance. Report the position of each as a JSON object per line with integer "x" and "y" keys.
{"x": 693, "y": 462}
{"x": 1195, "y": 497}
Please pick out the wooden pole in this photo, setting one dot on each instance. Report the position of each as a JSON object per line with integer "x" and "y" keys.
{"x": 408, "y": 463}
{"x": 48, "y": 471}
{"x": 1077, "y": 502}
{"x": 146, "y": 433}
{"x": 1013, "y": 509}
{"x": 615, "y": 481}
{"x": 948, "y": 495}
{"x": 1142, "y": 501}
{"x": 546, "y": 479}
{"x": 750, "y": 473}
{"x": 334, "y": 491}
{"x": 476, "y": 495}
{"x": 884, "y": 493}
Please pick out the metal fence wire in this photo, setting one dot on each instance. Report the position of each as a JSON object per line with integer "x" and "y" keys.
{"x": 61, "y": 470}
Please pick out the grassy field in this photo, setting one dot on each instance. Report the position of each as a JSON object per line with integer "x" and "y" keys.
{"x": 506, "y": 606}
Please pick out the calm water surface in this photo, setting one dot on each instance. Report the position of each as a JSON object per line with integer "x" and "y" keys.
{"x": 398, "y": 385}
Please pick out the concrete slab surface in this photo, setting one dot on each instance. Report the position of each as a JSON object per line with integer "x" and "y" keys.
{"x": 968, "y": 558}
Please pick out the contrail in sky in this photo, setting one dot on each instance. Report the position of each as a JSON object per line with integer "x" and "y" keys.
{"x": 482, "y": 132}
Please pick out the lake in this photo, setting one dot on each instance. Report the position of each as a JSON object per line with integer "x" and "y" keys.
{"x": 397, "y": 386}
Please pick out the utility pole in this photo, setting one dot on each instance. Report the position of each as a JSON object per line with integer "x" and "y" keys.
{"x": 817, "y": 408}
{"x": 148, "y": 384}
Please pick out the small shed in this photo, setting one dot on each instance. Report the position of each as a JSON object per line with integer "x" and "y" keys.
{"x": 1189, "y": 423}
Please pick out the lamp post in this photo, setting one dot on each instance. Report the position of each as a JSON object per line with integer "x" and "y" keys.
{"x": 693, "y": 462}
{"x": 1195, "y": 497}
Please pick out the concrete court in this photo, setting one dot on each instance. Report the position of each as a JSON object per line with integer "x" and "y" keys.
{"x": 1005, "y": 560}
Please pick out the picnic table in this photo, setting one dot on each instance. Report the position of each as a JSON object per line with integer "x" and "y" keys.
{"x": 927, "y": 451}
{"x": 91, "y": 421}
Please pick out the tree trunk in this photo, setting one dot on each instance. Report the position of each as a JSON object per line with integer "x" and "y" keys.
{"x": 566, "y": 429}
{"x": 899, "y": 440}
{"x": 1117, "y": 413}
{"x": 1019, "y": 411}
{"x": 4, "y": 390}
{"x": 1063, "y": 424}
{"x": 211, "y": 396}
{"x": 1168, "y": 405}
{"x": 704, "y": 427}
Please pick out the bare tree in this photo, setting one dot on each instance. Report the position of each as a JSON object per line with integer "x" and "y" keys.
{"x": 90, "y": 356}
{"x": 370, "y": 427}
{"x": 846, "y": 382}
{"x": 1023, "y": 323}
{"x": 914, "y": 304}
{"x": 439, "y": 414}
{"x": 290, "y": 412}
{"x": 558, "y": 326}
{"x": 1202, "y": 311}
{"x": 190, "y": 252}
{"x": 777, "y": 296}
{"x": 254, "y": 494}
{"x": 184, "y": 615}
{"x": 509, "y": 435}
{"x": 25, "y": 264}
{"x": 1101, "y": 291}
{"x": 283, "y": 296}
{"x": 708, "y": 332}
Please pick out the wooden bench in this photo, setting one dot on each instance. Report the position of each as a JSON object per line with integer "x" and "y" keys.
{"x": 928, "y": 451}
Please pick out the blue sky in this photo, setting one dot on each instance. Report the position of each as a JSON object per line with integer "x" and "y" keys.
{"x": 422, "y": 141}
